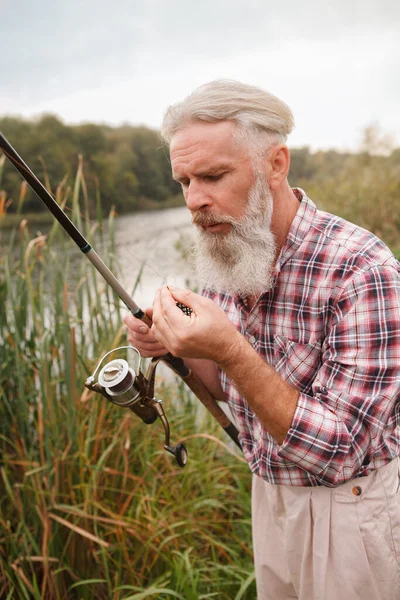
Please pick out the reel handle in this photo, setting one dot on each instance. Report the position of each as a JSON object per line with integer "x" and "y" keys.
{"x": 180, "y": 453}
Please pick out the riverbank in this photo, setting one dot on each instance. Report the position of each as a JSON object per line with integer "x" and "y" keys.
{"x": 90, "y": 503}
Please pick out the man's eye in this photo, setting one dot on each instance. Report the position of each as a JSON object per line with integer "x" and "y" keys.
{"x": 184, "y": 183}
{"x": 213, "y": 177}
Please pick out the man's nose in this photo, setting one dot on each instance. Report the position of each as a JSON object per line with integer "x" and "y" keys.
{"x": 196, "y": 197}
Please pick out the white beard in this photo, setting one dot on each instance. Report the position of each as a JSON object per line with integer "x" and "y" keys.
{"x": 241, "y": 261}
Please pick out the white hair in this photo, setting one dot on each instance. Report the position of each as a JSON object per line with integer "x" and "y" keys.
{"x": 240, "y": 261}
{"x": 261, "y": 117}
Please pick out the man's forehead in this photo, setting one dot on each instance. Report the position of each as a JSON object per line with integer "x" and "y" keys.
{"x": 203, "y": 132}
{"x": 204, "y": 145}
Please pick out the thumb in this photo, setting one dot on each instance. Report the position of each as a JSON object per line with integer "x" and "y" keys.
{"x": 187, "y": 298}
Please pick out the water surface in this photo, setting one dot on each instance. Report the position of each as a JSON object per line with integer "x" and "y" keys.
{"x": 157, "y": 240}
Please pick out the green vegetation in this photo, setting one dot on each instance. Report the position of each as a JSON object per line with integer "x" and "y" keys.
{"x": 363, "y": 188}
{"x": 128, "y": 164}
{"x": 128, "y": 168}
{"x": 91, "y": 506}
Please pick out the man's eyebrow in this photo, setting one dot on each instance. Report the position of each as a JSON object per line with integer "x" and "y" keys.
{"x": 179, "y": 179}
{"x": 212, "y": 170}
{"x": 215, "y": 169}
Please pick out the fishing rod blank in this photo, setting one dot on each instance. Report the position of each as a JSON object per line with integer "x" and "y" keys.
{"x": 176, "y": 364}
{"x": 68, "y": 226}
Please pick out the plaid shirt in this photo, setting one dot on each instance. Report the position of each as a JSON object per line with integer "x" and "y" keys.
{"x": 330, "y": 326}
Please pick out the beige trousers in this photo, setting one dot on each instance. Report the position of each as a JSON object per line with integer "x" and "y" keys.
{"x": 319, "y": 543}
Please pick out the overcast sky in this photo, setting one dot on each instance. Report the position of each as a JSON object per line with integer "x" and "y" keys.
{"x": 115, "y": 61}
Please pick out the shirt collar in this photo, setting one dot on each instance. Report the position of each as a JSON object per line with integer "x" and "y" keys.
{"x": 298, "y": 231}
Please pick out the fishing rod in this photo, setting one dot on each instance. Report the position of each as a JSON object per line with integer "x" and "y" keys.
{"x": 118, "y": 381}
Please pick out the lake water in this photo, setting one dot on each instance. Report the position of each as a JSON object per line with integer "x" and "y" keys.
{"x": 152, "y": 244}
{"x": 157, "y": 240}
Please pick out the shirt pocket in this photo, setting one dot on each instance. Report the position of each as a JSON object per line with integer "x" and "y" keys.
{"x": 296, "y": 362}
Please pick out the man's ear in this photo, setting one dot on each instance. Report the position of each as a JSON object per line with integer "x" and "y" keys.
{"x": 277, "y": 165}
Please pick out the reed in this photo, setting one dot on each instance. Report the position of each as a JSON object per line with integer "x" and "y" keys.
{"x": 90, "y": 504}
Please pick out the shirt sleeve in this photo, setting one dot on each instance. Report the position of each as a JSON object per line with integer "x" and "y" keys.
{"x": 354, "y": 406}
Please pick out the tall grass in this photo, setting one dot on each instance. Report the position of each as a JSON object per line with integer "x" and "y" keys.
{"x": 90, "y": 504}
{"x": 365, "y": 191}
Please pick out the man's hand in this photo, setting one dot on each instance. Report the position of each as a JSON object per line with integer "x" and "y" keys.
{"x": 142, "y": 338}
{"x": 145, "y": 339}
{"x": 207, "y": 333}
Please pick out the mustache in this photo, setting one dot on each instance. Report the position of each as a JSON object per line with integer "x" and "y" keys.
{"x": 206, "y": 219}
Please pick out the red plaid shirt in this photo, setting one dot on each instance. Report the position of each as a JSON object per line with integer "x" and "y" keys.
{"x": 330, "y": 326}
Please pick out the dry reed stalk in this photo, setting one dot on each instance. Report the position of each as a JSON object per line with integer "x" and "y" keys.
{"x": 80, "y": 531}
{"x": 46, "y": 523}
{"x": 22, "y": 575}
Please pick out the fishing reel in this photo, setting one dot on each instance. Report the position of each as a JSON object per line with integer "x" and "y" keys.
{"x": 122, "y": 385}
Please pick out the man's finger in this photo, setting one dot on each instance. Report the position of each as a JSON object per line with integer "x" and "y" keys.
{"x": 162, "y": 328}
{"x": 185, "y": 297}
{"x": 135, "y": 324}
{"x": 174, "y": 315}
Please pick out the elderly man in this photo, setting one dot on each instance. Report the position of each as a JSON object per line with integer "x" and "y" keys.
{"x": 298, "y": 328}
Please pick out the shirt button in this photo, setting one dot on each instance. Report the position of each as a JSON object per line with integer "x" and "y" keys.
{"x": 252, "y": 339}
{"x": 357, "y": 491}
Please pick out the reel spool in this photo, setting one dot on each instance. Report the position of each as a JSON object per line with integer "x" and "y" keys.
{"x": 118, "y": 380}
{"x": 122, "y": 385}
